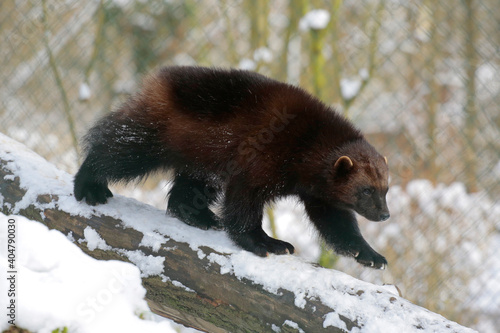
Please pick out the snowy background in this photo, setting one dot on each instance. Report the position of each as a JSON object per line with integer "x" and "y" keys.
{"x": 420, "y": 78}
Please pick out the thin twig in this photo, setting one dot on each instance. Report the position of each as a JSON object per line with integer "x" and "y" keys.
{"x": 57, "y": 76}
{"x": 372, "y": 50}
{"x": 98, "y": 40}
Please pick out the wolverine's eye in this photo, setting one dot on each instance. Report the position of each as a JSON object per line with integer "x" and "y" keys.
{"x": 367, "y": 191}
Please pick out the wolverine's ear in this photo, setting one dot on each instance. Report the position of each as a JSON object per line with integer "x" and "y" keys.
{"x": 343, "y": 163}
{"x": 385, "y": 159}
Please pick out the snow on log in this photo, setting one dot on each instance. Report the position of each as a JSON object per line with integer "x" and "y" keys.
{"x": 199, "y": 278}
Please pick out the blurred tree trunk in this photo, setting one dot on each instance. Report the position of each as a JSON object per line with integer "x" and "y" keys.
{"x": 295, "y": 10}
{"x": 232, "y": 54}
{"x": 432, "y": 62}
{"x": 59, "y": 79}
{"x": 259, "y": 13}
{"x": 98, "y": 41}
{"x": 370, "y": 65}
{"x": 412, "y": 79}
{"x": 372, "y": 52}
{"x": 317, "y": 61}
{"x": 334, "y": 31}
{"x": 471, "y": 64}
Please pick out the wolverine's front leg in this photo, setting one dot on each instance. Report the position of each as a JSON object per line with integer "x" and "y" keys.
{"x": 340, "y": 230}
{"x": 242, "y": 214}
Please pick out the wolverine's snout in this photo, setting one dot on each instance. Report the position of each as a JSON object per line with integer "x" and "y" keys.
{"x": 384, "y": 216}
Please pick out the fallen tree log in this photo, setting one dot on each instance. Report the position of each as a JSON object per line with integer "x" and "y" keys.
{"x": 203, "y": 281}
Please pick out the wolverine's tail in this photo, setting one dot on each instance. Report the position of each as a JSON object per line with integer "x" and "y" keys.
{"x": 119, "y": 148}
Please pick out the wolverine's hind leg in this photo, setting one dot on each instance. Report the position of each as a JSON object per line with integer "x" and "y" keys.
{"x": 89, "y": 188}
{"x": 190, "y": 200}
{"x": 119, "y": 148}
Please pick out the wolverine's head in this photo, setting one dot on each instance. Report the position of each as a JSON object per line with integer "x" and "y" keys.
{"x": 360, "y": 180}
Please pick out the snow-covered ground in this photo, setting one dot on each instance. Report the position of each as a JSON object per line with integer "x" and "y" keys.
{"x": 60, "y": 287}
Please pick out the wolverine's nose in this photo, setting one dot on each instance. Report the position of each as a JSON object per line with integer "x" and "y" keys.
{"x": 384, "y": 216}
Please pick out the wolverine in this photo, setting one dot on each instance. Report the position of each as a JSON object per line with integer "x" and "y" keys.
{"x": 242, "y": 140}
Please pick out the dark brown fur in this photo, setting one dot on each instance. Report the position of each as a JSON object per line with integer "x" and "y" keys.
{"x": 247, "y": 139}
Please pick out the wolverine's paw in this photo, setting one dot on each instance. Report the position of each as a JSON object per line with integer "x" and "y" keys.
{"x": 200, "y": 218}
{"x": 93, "y": 193}
{"x": 368, "y": 257}
{"x": 362, "y": 252}
{"x": 261, "y": 244}
{"x": 271, "y": 245}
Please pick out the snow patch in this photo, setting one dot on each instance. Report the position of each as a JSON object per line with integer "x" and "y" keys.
{"x": 349, "y": 88}
{"x": 333, "y": 319}
{"x": 180, "y": 285}
{"x": 315, "y": 19}
{"x": 153, "y": 240}
{"x": 223, "y": 261}
{"x": 263, "y": 54}
{"x": 294, "y": 325}
{"x": 363, "y": 73}
{"x": 275, "y": 328}
{"x": 247, "y": 64}
{"x": 94, "y": 241}
{"x": 148, "y": 264}
{"x": 201, "y": 254}
{"x": 84, "y": 92}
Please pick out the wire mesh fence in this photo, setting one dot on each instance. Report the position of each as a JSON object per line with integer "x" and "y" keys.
{"x": 420, "y": 78}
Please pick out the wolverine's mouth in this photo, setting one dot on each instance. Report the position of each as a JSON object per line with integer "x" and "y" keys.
{"x": 375, "y": 216}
